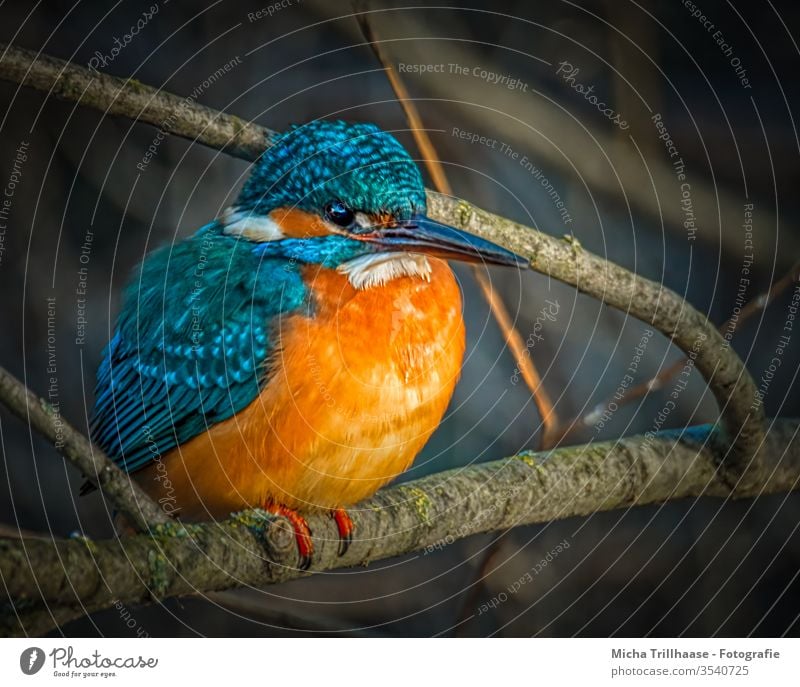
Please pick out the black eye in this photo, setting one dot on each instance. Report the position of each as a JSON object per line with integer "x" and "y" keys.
{"x": 338, "y": 213}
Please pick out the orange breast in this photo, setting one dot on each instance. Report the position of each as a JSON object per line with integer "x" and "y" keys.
{"x": 355, "y": 391}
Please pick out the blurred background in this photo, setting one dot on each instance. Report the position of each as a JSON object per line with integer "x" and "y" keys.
{"x": 648, "y": 131}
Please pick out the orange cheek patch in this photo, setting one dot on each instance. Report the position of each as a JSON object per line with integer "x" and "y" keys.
{"x": 299, "y": 224}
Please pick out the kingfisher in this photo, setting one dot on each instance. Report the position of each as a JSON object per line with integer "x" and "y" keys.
{"x": 296, "y": 353}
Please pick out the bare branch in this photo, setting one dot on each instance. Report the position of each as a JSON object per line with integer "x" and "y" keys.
{"x": 730, "y": 325}
{"x": 566, "y": 260}
{"x": 254, "y": 548}
{"x": 130, "y": 98}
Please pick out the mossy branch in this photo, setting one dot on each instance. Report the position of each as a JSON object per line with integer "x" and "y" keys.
{"x": 69, "y": 578}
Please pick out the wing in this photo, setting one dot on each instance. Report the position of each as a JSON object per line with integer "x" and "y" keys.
{"x": 190, "y": 344}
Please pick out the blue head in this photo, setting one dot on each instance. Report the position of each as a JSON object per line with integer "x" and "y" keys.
{"x": 331, "y": 193}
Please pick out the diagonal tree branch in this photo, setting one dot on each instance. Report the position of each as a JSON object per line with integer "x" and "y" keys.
{"x": 125, "y": 494}
{"x": 740, "y": 406}
{"x": 659, "y": 381}
{"x": 132, "y": 99}
{"x": 566, "y": 260}
{"x": 74, "y": 577}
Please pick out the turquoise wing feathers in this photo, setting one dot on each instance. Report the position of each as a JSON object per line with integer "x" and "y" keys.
{"x": 191, "y": 344}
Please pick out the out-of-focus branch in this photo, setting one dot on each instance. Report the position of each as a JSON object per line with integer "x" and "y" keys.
{"x": 514, "y": 341}
{"x": 123, "y": 492}
{"x": 524, "y": 362}
{"x": 74, "y": 577}
{"x": 423, "y": 141}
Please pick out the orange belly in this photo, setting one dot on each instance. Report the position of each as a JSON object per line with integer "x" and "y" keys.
{"x": 354, "y": 393}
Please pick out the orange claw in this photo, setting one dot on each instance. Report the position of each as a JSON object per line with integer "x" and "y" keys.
{"x": 345, "y": 526}
{"x": 302, "y": 533}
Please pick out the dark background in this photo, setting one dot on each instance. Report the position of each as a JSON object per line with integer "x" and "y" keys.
{"x": 701, "y": 567}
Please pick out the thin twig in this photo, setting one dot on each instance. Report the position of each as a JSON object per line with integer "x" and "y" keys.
{"x": 424, "y": 143}
{"x": 524, "y": 362}
{"x": 657, "y": 382}
{"x": 435, "y": 168}
{"x": 514, "y": 341}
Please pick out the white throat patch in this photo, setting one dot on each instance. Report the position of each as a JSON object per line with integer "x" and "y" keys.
{"x": 376, "y": 269}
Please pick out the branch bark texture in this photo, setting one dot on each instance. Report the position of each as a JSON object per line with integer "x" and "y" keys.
{"x": 132, "y": 99}
{"x": 74, "y": 577}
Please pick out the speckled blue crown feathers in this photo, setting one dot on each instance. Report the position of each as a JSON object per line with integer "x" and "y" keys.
{"x": 312, "y": 164}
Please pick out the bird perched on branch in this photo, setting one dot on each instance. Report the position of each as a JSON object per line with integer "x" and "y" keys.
{"x": 296, "y": 353}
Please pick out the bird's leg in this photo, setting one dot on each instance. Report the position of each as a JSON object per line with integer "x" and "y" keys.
{"x": 302, "y": 533}
{"x": 345, "y": 526}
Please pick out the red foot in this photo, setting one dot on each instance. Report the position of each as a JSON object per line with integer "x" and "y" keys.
{"x": 302, "y": 533}
{"x": 345, "y": 526}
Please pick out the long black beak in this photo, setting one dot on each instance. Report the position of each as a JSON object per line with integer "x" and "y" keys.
{"x": 421, "y": 234}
